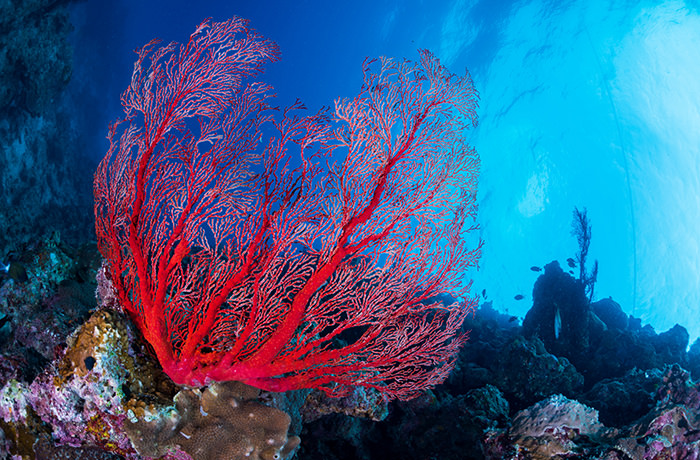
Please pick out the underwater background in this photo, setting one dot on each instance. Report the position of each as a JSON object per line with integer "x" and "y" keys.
{"x": 589, "y": 105}
{"x": 584, "y": 106}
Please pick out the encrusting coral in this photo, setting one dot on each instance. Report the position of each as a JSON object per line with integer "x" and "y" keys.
{"x": 222, "y": 422}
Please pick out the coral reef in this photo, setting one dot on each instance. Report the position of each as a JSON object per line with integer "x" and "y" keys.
{"x": 106, "y": 399}
{"x": 629, "y": 399}
{"x": 96, "y": 393}
{"x": 673, "y": 433}
{"x": 523, "y": 369}
{"x": 98, "y": 390}
{"x": 610, "y": 312}
{"x": 562, "y": 428}
{"x": 623, "y": 400}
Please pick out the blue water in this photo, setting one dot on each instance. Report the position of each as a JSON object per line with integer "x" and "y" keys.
{"x": 588, "y": 104}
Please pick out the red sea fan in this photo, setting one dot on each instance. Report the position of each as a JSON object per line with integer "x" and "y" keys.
{"x": 288, "y": 251}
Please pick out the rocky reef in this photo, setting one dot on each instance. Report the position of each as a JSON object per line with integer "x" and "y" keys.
{"x": 614, "y": 389}
{"x": 45, "y": 167}
{"x": 78, "y": 382}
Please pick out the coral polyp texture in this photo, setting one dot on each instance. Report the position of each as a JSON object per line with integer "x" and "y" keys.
{"x": 224, "y": 421}
{"x": 287, "y": 250}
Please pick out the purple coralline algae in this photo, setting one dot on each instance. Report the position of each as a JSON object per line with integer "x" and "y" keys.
{"x": 81, "y": 395}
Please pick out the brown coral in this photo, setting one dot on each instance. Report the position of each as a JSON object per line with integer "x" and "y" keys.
{"x": 222, "y": 422}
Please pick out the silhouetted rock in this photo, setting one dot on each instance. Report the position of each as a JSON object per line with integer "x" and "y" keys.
{"x": 448, "y": 428}
{"x": 527, "y": 373}
{"x": 624, "y": 400}
{"x": 610, "y": 312}
{"x": 672, "y": 345}
{"x": 560, "y": 314}
{"x": 617, "y": 352}
{"x": 489, "y": 332}
{"x": 693, "y": 356}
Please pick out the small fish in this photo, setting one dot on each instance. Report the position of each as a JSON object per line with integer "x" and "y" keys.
{"x": 512, "y": 319}
{"x": 535, "y": 268}
{"x": 483, "y": 293}
{"x": 519, "y": 297}
{"x": 4, "y": 268}
{"x": 557, "y": 324}
{"x": 571, "y": 262}
{"x": 571, "y": 272}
